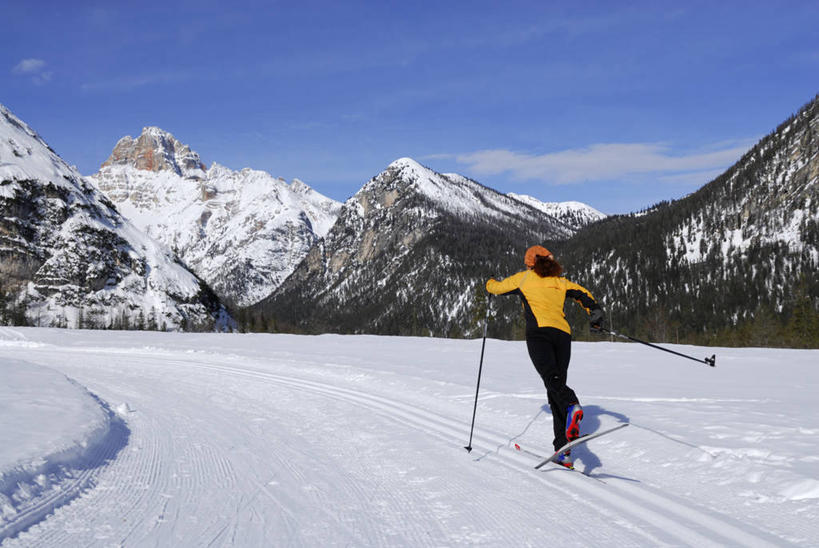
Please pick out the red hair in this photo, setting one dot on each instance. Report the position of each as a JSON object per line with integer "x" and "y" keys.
{"x": 547, "y": 266}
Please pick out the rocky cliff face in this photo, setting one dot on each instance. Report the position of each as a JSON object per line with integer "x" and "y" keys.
{"x": 70, "y": 259}
{"x": 408, "y": 255}
{"x": 157, "y": 150}
{"x": 243, "y": 232}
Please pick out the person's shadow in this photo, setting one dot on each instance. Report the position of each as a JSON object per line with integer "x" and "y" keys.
{"x": 591, "y": 423}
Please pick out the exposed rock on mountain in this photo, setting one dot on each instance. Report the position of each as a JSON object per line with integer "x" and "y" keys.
{"x": 408, "y": 255}
{"x": 157, "y": 150}
{"x": 69, "y": 259}
{"x": 242, "y": 231}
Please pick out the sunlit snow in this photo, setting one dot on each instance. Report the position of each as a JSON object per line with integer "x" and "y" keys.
{"x": 279, "y": 440}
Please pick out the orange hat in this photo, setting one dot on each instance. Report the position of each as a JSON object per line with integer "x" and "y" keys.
{"x": 533, "y": 252}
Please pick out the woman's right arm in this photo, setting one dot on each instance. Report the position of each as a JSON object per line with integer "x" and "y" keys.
{"x": 507, "y": 285}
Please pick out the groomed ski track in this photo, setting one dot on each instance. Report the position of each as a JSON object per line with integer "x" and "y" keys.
{"x": 664, "y": 519}
{"x": 223, "y": 451}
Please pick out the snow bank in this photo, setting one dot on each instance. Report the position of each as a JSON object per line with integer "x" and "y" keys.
{"x": 53, "y": 434}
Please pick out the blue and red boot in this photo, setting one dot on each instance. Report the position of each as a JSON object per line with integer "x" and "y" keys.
{"x": 573, "y": 418}
{"x": 565, "y": 459}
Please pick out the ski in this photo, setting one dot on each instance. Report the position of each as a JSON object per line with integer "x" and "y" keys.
{"x": 578, "y": 441}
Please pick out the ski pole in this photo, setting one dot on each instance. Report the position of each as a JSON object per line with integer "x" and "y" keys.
{"x": 710, "y": 361}
{"x": 468, "y": 446}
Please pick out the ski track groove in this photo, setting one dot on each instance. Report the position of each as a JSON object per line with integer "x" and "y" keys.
{"x": 136, "y": 471}
{"x": 683, "y": 522}
{"x": 429, "y": 423}
{"x": 365, "y": 532}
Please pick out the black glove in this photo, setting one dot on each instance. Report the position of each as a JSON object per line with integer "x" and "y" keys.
{"x": 596, "y": 318}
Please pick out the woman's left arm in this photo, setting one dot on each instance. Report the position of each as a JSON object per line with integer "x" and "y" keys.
{"x": 582, "y": 296}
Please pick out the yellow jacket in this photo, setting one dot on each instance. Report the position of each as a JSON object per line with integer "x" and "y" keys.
{"x": 543, "y": 298}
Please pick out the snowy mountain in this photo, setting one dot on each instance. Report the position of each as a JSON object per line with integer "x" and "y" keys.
{"x": 408, "y": 255}
{"x": 243, "y": 232}
{"x": 734, "y": 262}
{"x": 70, "y": 259}
{"x": 575, "y": 214}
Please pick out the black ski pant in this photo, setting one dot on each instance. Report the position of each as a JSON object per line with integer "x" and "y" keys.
{"x": 550, "y": 350}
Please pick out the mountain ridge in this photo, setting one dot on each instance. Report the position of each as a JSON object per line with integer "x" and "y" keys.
{"x": 731, "y": 263}
{"x": 575, "y": 214}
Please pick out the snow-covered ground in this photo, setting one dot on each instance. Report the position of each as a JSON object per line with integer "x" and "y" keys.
{"x": 168, "y": 439}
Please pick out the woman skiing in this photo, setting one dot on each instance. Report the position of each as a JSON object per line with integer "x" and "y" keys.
{"x": 548, "y": 336}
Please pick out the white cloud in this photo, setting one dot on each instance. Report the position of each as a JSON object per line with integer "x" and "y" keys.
{"x": 29, "y": 66}
{"x": 42, "y": 78}
{"x": 604, "y": 161}
{"x": 35, "y": 69}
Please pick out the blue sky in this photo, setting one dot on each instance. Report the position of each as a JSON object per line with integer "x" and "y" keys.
{"x": 617, "y": 104}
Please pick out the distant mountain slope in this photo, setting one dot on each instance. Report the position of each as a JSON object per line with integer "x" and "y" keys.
{"x": 408, "y": 255}
{"x": 575, "y": 214}
{"x": 242, "y": 231}
{"x": 733, "y": 263}
{"x": 70, "y": 259}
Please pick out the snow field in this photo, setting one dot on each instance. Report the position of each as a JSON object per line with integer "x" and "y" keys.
{"x": 333, "y": 440}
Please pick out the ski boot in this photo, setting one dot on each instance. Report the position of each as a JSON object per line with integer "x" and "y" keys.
{"x": 573, "y": 418}
{"x": 565, "y": 459}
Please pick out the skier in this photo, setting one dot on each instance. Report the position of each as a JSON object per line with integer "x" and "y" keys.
{"x": 543, "y": 291}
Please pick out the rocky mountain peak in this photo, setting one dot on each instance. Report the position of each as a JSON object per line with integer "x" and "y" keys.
{"x": 446, "y": 192}
{"x": 412, "y": 172}
{"x": 408, "y": 164}
{"x": 157, "y": 150}
{"x": 243, "y": 232}
{"x": 70, "y": 259}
